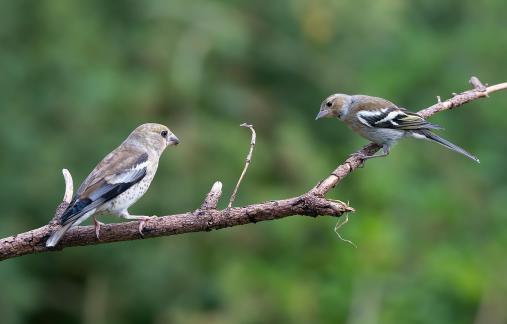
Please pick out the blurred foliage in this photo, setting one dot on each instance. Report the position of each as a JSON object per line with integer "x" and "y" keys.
{"x": 78, "y": 76}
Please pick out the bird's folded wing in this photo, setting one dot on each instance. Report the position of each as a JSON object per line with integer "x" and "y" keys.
{"x": 119, "y": 171}
{"x": 394, "y": 118}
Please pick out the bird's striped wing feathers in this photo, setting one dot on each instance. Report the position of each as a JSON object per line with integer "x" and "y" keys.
{"x": 114, "y": 175}
{"x": 117, "y": 181}
{"x": 394, "y": 118}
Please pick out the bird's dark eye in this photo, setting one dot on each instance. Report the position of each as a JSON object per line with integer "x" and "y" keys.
{"x": 164, "y": 134}
{"x": 329, "y": 103}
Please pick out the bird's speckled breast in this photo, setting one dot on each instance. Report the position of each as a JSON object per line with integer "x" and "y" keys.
{"x": 126, "y": 199}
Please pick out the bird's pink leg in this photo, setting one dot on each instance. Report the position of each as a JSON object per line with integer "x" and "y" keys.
{"x": 364, "y": 157}
{"x": 97, "y": 225}
{"x": 142, "y": 223}
{"x": 142, "y": 220}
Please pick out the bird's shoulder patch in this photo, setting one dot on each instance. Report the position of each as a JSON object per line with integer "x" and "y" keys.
{"x": 131, "y": 172}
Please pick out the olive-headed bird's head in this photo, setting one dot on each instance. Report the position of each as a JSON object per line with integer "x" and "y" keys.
{"x": 153, "y": 136}
{"x": 335, "y": 106}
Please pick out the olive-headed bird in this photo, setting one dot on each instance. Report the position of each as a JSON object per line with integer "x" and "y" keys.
{"x": 118, "y": 181}
{"x": 382, "y": 122}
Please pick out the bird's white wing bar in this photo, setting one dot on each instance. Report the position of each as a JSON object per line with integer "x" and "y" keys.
{"x": 391, "y": 116}
{"x": 128, "y": 175}
{"x": 370, "y": 118}
{"x": 362, "y": 120}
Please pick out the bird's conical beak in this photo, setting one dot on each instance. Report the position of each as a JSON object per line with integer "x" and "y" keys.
{"x": 173, "y": 140}
{"x": 321, "y": 114}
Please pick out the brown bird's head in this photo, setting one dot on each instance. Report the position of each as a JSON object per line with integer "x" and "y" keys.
{"x": 336, "y": 105}
{"x": 153, "y": 136}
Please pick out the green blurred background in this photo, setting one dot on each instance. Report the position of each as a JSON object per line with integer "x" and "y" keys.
{"x": 78, "y": 76}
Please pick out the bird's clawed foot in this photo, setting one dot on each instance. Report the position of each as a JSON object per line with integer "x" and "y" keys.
{"x": 142, "y": 223}
{"x": 361, "y": 156}
{"x": 97, "y": 225}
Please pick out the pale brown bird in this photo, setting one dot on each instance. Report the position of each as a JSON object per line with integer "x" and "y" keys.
{"x": 119, "y": 180}
{"x": 382, "y": 122}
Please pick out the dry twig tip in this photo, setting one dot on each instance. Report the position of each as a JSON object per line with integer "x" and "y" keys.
{"x": 211, "y": 200}
{"x": 69, "y": 186}
{"x": 247, "y": 163}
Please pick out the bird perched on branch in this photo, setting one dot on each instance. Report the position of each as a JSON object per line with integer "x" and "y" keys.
{"x": 119, "y": 180}
{"x": 382, "y": 122}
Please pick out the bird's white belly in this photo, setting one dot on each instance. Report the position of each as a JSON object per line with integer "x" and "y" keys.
{"x": 382, "y": 135}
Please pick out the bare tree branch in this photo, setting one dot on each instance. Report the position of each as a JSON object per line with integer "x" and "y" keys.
{"x": 197, "y": 221}
{"x": 207, "y": 217}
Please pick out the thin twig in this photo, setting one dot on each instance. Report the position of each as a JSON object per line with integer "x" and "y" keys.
{"x": 338, "y": 225}
{"x": 247, "y": 163}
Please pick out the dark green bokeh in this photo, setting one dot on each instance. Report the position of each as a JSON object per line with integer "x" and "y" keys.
{"x": 78, "y": 76}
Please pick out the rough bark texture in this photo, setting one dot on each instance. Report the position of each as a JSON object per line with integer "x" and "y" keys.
{"x": 198, "y": 221}
{"x": 207, "y": 217}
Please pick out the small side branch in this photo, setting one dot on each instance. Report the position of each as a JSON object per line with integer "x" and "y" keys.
{"x": 477, "y": 84}
{"x": 211, "y": 200}
{"x": 67, "y": 197}
{"x": 247, "y": 163}
{"x": 69, "y": 186}
{"x": 479, "y": 91}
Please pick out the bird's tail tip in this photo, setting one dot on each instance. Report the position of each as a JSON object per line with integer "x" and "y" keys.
{"x": 51, "y": 242}
{"x": 433, "y": 137}
{"x": 57, "y": 236}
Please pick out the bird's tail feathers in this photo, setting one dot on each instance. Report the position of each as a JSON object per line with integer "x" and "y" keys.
{"x": 434, "y": 126}
{"x": 56, "y": 236}
{"x": 426, "y": 134}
